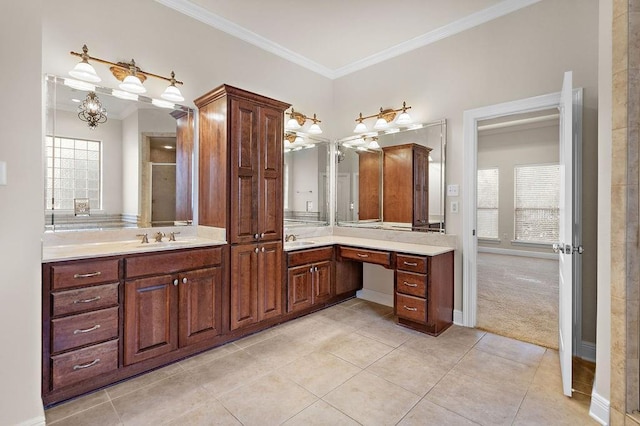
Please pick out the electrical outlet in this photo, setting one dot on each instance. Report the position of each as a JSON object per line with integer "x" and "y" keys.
{"x": 454, "y": 207}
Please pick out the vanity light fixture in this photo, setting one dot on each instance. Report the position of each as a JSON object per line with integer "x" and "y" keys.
{"x": 128, "y": 73}
{"x": 91, "y": 111}
{"x": 384, "y": 118}
{"x": 374, "y": 144}
{"x": 297, "y": 120}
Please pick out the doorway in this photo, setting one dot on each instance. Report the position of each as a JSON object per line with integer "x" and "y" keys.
{"x": 517, "y": 223}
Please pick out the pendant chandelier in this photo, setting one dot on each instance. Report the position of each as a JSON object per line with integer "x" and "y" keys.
{"x": 91, "y": 111}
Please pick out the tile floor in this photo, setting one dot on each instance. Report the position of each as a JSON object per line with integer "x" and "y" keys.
{"x": 346, "y": 365}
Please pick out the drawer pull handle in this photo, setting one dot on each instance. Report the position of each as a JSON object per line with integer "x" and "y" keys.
{"x": 362, "y": 255}
{"x": 410, "y": 309}
{"x": 411, "y": 263}
{"x": 93, "y": 299}
{"x": 91, "y": 364}
{"x": 410, "y": 284}
{"x": 86, "y": 330}
{"x": 89, "y": 275}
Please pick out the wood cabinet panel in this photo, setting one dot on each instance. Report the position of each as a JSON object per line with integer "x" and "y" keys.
{"x": 84, "y": 329}
{"x": 300, "y": 291}
{"x": 184, "y": 158}
{"x": 370, "y": 170}
{"x": 270, "y": 193}
{"x": 151, "y": 314}
{"x": 366, "y": 255}
{"x": 83, "y": 364}
{"x": 405, "y": 262}
{"x": 303, "y": 257}
{"x": 244, "y": 285}
{"x": 322, "y": 282}
{"x": 84, "y": 273}
{"x": 84, "y": 299}
{"x": 200, "y": 303}
{"x": 270, "y": 281}
{"x": 411, "y": 283}
{"x": 172, "y": 262}
{"x": 411, "y": 308}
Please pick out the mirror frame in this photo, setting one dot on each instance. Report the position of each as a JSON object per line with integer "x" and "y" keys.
{"x": 379, "y": 224}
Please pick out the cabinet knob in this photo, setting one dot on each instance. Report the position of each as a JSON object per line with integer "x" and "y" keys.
{"x": 263, "y": 249}
{"x": 175, "y": 282}
{"x": 256, "y": 236}
{"x": 184, "y": 280}
{"x": 256, "y": 249}
{"x": 315, "y": 268}
{"x": 262, "y": 235}
{"x": 311, "y": 269}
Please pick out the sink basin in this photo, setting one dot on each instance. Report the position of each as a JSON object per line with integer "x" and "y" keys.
{"x": 289, "y": 244}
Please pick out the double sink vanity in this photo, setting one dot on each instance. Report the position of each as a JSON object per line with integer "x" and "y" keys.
{"x": 115, "y": 306}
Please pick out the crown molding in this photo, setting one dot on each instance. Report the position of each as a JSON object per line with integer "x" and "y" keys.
{"x": 203, "y": 15}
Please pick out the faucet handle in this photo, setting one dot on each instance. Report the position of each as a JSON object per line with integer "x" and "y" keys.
{"x": 172, "y": 236}
{"x": 159, "y": 236}
{"x": 145, "y": 238}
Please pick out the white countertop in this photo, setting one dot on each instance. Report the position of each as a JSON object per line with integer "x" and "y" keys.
{"x": 114, "y": 248}
{"x": 410, "y": 248}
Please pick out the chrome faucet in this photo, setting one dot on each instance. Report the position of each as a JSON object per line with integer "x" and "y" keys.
{"x": 172, "y": 236}
{"x": 145, "y": 238}
{"x": 290, "y": 237}
{"x": 159, "y": 236}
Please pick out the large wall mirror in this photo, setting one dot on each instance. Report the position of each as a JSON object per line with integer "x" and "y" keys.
{"x": 131, "y": 168}
{"x": 393, "y": 179}
{"x": 305, "y": 180}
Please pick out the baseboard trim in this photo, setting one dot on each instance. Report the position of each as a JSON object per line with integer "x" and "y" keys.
{"x": 457, "y": 317}
{"x": 375, "y": 296}
{"x": 599, "y": 409}
{"x": 523, "y": 253}
{"x": 36, "y": 421}
{"x": 587, "y": 350}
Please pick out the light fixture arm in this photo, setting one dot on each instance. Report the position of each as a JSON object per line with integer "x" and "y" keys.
{"x": 128, "y": 67}
{"x": 388, "y": 114}
{"x": 301, "y": 118}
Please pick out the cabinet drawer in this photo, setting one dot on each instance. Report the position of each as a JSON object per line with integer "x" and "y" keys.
{"x": 84, "y": 329}
{"x": 84, "y": 299}
{"x": 365, "y": 255}
{"x": 78, "y": 274}
{"x": 169, "y": 263}
{"x": 303, "y": 257}
{"x": 411, "y": 308}
{"x": 410, "y": 283}
{"x": 83, "y": 364}
{"x": 409, "y": 263}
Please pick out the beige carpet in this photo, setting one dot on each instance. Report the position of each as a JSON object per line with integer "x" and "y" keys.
{"x": 518, "y": 298}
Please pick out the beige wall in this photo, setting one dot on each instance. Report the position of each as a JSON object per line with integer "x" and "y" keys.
{"x": 520, "y": 55}
{"x": 504, "y": 149}
{"x": 21, "y": 214}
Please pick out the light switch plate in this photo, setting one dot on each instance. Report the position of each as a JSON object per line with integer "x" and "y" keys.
{"x": 3, "y": 173}
{"x": 453, "y": 190}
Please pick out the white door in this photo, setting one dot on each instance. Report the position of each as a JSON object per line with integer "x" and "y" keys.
{"x": 565, "y": 246}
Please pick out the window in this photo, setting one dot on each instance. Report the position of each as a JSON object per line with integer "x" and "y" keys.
{"x": 73, "y": 171}
{"x": 487, "y": 209}
{"x": 537, "y": 194}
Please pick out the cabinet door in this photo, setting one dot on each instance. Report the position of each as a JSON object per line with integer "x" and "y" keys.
{"x": 270, "y": 281}
{"x": 150, "y": 318}
{"x": 244, "y": 285}
{"x": 200, "y": 305}
{"x": 270, "y": 192}
{"x": 300, "y": 288}
{"x": 244, "y": 149}
{"x": 322, "y": 288}
{"x": 420, "y": 187}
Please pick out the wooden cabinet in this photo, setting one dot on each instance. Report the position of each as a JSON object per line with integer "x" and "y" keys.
{"x": 80, "y": 322}
{"x": 309, "y": 278}
{"x": 256, "y": 283}
{"x": 369, "y": 178}
{"x": 240, "y": 159}
{"x": 424, "y": 292}
{"x": 166, "y": 311}
{"x": 406, "y": 184}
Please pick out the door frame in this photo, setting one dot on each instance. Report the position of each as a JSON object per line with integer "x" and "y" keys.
{"x": 469, "y": 239}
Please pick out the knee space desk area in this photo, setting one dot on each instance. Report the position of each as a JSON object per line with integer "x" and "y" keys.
{"x": 423, "y": 276}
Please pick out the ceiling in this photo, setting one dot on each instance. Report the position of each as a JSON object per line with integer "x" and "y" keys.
{"x": 337, "y": 37}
